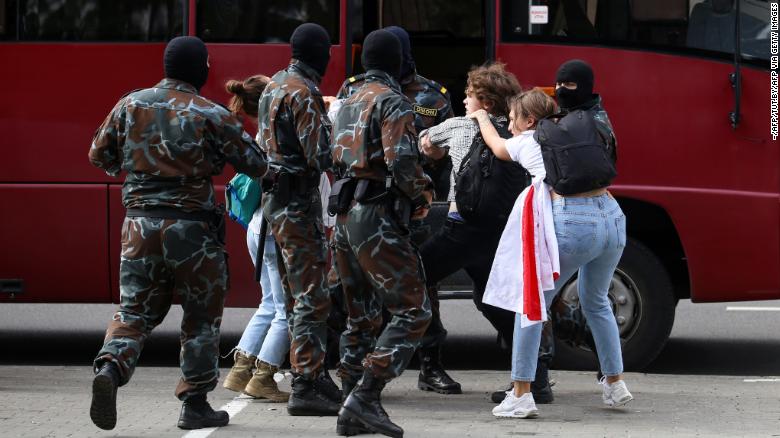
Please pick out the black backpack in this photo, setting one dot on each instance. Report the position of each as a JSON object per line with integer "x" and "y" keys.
{"x": 576, "y": 156}
{"x": 486, "y": 187}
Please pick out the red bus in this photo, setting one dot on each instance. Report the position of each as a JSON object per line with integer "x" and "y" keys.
{"x": 686, "y": 84}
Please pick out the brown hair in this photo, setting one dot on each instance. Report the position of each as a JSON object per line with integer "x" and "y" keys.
{"x": 246, "y": 93}
{"x": 532, "y": 103}
{"x": 491, "y": 84}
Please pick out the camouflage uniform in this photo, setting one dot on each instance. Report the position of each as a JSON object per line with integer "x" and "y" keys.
{"x": 295, "y": 132}
{"x": 374, "y": 138}
{"x": 431, "y": 105}
{"x": 170, "y": 141}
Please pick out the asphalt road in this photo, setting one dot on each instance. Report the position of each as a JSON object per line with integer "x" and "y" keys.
{"x": 706, "y": 339}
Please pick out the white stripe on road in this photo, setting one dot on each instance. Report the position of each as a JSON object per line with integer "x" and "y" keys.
{"x": 752, "y": 309}
{"x": 761, "y": 380}
{"x": 232, "y": 409}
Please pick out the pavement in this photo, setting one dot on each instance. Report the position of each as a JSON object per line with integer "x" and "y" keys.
{"x": 53, "y": 401}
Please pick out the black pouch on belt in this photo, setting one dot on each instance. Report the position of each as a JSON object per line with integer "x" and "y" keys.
{"x": 341, "y": 195}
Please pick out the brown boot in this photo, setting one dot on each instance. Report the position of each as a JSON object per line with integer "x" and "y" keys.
{"x": 241, "y": 372}
{"x": 263, "y": 384}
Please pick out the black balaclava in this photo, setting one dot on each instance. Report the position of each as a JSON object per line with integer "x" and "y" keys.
{"x": 407, "y": 63}
{"x": 311, "y": 44}
{"x": 579, "y": 72}
{"x": 382, "y": 51}
{"x": 186, "y": 59}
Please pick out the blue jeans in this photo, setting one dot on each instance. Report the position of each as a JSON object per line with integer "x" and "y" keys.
{"x": 591, "y": 235}
{"x": 266, "y": 335}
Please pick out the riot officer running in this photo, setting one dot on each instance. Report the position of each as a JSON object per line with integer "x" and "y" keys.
{"x": 382, "y": 187}
{"x": 170, "y": 141}
{"x": 295, "y": 132}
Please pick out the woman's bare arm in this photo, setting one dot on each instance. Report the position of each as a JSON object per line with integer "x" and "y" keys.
{"x": 490, "y": 135}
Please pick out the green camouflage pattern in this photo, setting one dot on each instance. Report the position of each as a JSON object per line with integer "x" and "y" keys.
{"x": 374, "y": 137}
{"x": 379, "y": 267}
{"x": 294, "y": 128}
{"x": 430, "y": 100}
{"x": 302, "y": 260}
{"x": 171, "y": 141}
{"x": 160, "y": 258}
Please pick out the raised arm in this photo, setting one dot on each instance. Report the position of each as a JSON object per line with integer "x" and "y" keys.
{"x": 490, "y": 135}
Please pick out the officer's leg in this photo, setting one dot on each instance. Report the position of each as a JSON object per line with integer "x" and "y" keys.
{"x": 145, "y": 298}
{"x": 298, "y": 231}
{"x": 364, "y": 312}
{"x": 201, "y": 276}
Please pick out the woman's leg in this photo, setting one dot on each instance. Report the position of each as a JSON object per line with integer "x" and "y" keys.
{"x": 277, "y": 341}
{"x": 255, "y": 331}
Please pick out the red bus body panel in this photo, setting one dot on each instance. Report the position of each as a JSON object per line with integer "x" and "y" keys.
{"x": 62, "y": 216}
{"x": 677, "y": 150}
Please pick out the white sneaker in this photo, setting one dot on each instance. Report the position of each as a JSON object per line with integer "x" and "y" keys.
{"x": 516, "y": 407}
{"x": 615, "y": 394}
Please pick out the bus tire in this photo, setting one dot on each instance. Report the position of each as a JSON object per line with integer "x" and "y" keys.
{"x": 644, "y": 304}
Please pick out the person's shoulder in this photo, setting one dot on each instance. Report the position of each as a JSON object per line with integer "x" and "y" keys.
{"x": 434, "y": 88}
{"x": 352, "y": 83}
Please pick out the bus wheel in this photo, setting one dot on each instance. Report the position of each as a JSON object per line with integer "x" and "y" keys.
{"x": 643, "y": 301}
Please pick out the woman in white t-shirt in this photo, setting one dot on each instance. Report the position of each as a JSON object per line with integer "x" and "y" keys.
{"x": 529, "y": 270}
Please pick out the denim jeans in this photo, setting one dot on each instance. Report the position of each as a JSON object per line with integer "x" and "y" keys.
{"x": 266, "y": 335}
{"x": 591, "y": 235}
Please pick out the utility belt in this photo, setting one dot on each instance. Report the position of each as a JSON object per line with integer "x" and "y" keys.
{"x": 366, "y": 191}
{"x": 215, "y": 218}
{"x": 283, "y": 184}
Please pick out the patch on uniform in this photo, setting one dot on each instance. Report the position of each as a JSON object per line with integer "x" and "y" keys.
{"x": 430, "y": 112}
{"x": 352, "y": 79}
{"x": 443, "y": 90}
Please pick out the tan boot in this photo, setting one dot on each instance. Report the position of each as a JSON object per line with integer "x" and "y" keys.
{"x": 263, "y": 384}
{"x": 241, "y": 372}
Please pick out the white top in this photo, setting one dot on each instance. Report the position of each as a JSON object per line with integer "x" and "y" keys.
{"x": 507, "y": 283}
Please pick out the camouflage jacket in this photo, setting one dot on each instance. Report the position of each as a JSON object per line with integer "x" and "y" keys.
{"x": 430, "y": 101}
{"x": 374, "y": 135}
{"x": 294, "y": 128}
{"x": 171, "y": 141}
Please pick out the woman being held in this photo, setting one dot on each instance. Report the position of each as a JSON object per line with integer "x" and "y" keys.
{"x": 265, "y": 341}
{"x": 549, "y": 234}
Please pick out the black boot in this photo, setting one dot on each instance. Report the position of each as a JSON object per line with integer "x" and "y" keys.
{"x": 363, "y": 407}
{"x": 325, "y": 385}
{"x": 196, "y": 413}
{"x": 540, "y": 387}
{"x": 432, "y": 375}
{"x": 104, "y": 385}
{"x": 307, "y": 398}
{"x": 348, "y": 383}
{"x": 498, "y": 396}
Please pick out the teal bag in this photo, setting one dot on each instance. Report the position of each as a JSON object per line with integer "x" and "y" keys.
{"x": 242, "y": 197}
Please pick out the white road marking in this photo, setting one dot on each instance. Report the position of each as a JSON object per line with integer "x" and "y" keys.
{"x": 232, "y": 408}
{"x": 752, "y": 309}
{"x": 761, "y": 380}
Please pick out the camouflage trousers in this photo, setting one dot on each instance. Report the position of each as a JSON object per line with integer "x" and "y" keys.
{"x": 160, "y": 258}
{"x": 302, "y": 260}
{"x": 379, "y": 267}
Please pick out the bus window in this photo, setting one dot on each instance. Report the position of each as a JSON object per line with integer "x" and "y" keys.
{"x": 263, "y": 21}
{"x": 697, "y": 26}
{"x": 98, "y": 20}
{"x": 448, "y": 38}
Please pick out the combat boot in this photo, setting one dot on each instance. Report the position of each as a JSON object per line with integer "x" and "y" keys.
{"x": 432, "y": 375}
{"x": 363, "y": 410}
{"x": 241, "y": 373}
{"x": 540, "y": 387}
{"x": 325, "y": 385}
{"x": 263, "y": 385}
{"x": 348, "y": 383}
{"x": 307, "y": 399}
{"x": 104, "y": 387}
{"x": 196, "y": 413}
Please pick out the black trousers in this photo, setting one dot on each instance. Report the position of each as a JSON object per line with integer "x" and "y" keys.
{"x": 460, "y": 245}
